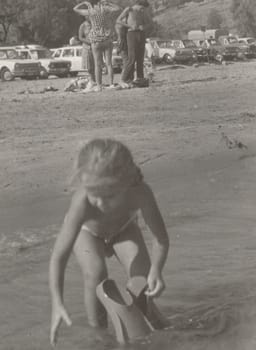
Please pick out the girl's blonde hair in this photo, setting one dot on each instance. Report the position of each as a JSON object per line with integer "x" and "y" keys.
{"x": 105, "y": 163}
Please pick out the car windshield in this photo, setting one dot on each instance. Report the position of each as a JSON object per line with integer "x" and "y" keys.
{"x": 164, "y": 44}
{"x": 8, "y": 54}
{"x": 37, "y": 54}
{"x": 189, "y": 43}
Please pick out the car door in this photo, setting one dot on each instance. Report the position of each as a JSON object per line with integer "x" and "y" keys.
{"x": 70, "y": 54}
{"x": 78, "y": 58}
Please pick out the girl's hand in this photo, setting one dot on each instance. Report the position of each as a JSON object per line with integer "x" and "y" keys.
{"x": 155, "y": 284}
{"x": 59, "y": 314}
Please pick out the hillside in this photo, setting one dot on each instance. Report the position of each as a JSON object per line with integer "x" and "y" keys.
{"x": 177, "y": 21}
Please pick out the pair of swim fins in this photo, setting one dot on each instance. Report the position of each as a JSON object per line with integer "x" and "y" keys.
{"x": 132, "y": 314}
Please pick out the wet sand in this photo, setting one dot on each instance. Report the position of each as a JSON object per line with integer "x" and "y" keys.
{"x": 206, "y": 192}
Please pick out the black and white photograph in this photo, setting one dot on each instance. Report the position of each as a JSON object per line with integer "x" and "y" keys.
{"x": 127, "y": 182}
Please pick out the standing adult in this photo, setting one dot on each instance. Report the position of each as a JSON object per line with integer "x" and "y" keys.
{"x": 87, "y": 55}
{"x": 136, "y": 19}
{"x": 100, "y": 14}
{"x": 121, "y": 32}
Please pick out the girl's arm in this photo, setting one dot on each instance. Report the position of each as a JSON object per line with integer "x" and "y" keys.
{"x": 121, "y": 19}
{"x": 154, "y": 220}
{"x": 59, "y": 258}
{"x": 83, "y": 12}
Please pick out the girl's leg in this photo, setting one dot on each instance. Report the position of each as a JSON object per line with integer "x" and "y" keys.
{"x": 98, "y": 58}
{"x": 108, "y": 59}
{"x": 131, "y": 250}
{"x": 90, "y": 254}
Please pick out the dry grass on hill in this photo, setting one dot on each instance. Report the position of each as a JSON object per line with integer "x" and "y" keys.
{"x": 192, "y": 15}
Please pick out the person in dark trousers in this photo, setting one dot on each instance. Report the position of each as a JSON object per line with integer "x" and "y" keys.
{"x": 121, "y": 32}
{"x": 136, "y": 20}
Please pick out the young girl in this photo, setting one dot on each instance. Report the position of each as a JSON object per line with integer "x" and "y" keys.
{"x": 100, "y": 15}
{"x": 102, "y": 221}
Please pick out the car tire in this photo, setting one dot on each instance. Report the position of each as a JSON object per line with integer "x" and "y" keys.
{"x": 6, "y": 75}
{"x": 167, "y": 59}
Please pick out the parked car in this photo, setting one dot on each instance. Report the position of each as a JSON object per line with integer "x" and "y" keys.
{"x": 52, "y": 66}
{"x": 218, "y": 51}
{"x": 74, "y": 55}
{"x": 201, "y": 53}
{"x": 11, "y": 66}
{"x": 221, "y": 44}
{"x": 248, "y": 41}
{"x": 164, "y": 50}
{"x": 234, "y": 48}
{"x": 251, "y": 42}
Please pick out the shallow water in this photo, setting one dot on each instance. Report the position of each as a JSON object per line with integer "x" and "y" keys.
{"x": 209, "y": 207}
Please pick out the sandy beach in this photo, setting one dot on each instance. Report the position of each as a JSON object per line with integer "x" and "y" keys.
{"x": 193, "y": 133}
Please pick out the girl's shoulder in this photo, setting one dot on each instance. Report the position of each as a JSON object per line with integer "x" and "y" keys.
{"x": 80, "y": 199}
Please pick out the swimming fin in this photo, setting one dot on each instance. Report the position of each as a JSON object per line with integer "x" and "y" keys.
{"x": 137, "y": 286}
{"x": 128, "y": 320}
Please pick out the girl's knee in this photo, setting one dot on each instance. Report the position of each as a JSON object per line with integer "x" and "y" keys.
{"x": 93, "y": 278}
